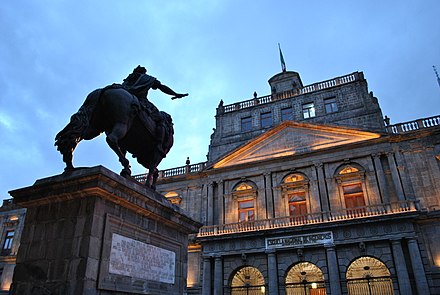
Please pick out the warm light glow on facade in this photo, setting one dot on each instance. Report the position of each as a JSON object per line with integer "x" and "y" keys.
{"x": 243, "y": 187}
{"x": 13, "y": 218}
{"x": 6, "y": 284}
{"x": 277, "y": 142}
{"x": 294, "y": 178}
{"x": 436, "y": 257}
{"x": 173, "y": 197}
{"x": 348, "y": 170}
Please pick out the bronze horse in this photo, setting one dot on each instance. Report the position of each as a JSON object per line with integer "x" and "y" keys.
{"x": 128, "y": 127}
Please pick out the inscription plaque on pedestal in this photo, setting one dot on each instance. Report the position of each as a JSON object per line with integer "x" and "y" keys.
{"x": 133, "y": 258}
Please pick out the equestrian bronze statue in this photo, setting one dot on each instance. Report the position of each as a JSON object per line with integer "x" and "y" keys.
{"x": 130, "y": 121}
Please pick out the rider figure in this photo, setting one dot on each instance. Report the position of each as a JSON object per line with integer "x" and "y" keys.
{"x": 138, "y": 83}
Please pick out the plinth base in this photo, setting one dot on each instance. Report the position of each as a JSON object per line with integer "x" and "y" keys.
{"x": 90, "y": 231}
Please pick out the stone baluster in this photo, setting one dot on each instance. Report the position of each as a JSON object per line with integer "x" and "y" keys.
{"x": 206, "y": 283}
{"x": 417, "y": 266}
{"x": 401, "y": 269}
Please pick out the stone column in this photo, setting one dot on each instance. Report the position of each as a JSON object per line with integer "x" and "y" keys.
{"x": 206, "y": 283}
{"x": 273, "y": 272}
{"x": 220, "y": 206}
{"x": 322, "y": 187}
{"x": 381, "y": 179}
{"x": 210, "y": 209}
{"x": 269, "y": 197}
{"x": 218, "y": 276}
{"x": 333, "y": 270}
{"x": 406, "y": 183}
{"x": 433, "y": 168}
{"x": 401, "y": 270}
{"x": 396, "y": 178}
{"x": 417, "y": 266}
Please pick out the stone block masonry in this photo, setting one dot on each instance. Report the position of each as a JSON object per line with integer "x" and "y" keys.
{"x": 93, "y": 232}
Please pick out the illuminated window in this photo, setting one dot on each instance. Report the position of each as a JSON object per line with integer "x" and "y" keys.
{"x": 286, "y": 114}
{"x": 248, "y": 280}
{"x": 308, "y": 110}
{"x": 243, "y": 186}
{"x": 330, "y": 105}
{"x": 351, "y": 181}
{"x": 173, "y": 197}
{"x": 246, "y": 210}
{"x": 305, "y": 278}
{"x": 353, "y": 195}
{"x": 349, "y": 169}
{"x": 244, "y": 195}
{"x": 7, "y": 244}
{"x": 266, "y": 119}
{"x": 297, "y": 203}
{"x": 293, "y": 178}
{"x": 368, "y": 273}
{"x": 295, "y": 191}
{"x": 246, "y": 124}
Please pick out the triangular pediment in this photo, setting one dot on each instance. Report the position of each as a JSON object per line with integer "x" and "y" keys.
{"x": 293, "y": 138}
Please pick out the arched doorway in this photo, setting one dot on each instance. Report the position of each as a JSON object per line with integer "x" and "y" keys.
{"x": 248, "y": 280}
{"x": 305, "y": 278}
{"x": 369, "y": 276}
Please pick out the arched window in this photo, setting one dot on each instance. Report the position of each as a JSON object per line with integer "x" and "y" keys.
{"x": 248, "y": 280}
{"x": 305, "y": 278}
{"x": 368, "y": 275}
{"x": 244, "y": 193}
{"x": 295, "y": 188}
{"x": 351, "y": 180}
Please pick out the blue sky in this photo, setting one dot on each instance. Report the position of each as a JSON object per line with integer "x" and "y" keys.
{"x": 53, "y": 53}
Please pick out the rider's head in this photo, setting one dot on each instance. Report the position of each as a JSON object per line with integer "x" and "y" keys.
{"x": 140, "y": 70}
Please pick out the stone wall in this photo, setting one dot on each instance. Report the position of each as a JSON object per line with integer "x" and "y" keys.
{"x": 357, "y": 108}
{"x": 76, "y": 235}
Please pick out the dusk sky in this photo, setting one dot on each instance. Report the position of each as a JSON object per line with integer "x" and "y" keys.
{"x": 53, "y": 53}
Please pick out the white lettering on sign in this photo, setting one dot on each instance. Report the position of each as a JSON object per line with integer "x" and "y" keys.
{"x": 133, "y": 258}
{"x": 300, "y": 240}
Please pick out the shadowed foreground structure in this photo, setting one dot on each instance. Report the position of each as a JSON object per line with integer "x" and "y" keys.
{"x": 91, "y": 231}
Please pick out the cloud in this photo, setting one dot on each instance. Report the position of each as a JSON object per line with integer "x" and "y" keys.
{"x": 56, "y": 52}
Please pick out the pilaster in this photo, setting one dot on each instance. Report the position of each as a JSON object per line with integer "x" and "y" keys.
{"x": 417, "y": 266}
{"x": 401, "y": 269}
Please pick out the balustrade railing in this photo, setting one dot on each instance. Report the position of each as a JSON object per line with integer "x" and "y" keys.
{"x": 290, "y": 93}
{"x": 414, "y": 125}
{"x": 194, "y": 168}
{"x": 311, "y": 218}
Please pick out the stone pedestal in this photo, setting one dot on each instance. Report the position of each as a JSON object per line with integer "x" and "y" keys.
{"x": 91, "y": 231}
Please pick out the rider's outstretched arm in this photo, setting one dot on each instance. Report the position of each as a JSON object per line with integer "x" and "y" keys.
{"x": 167, "y": 90}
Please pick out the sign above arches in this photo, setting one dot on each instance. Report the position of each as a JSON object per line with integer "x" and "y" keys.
{"x": 322, "y": 238}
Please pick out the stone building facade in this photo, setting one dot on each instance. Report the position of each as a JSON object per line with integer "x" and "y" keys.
{"x": 11, "y": 225}
{"x": 307, "y": 191}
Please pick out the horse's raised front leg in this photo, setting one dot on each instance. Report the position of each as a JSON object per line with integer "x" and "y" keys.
{"x": 119, "y": 131}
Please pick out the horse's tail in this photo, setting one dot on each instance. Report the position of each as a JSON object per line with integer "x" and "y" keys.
{"x": 68, "y": 138}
